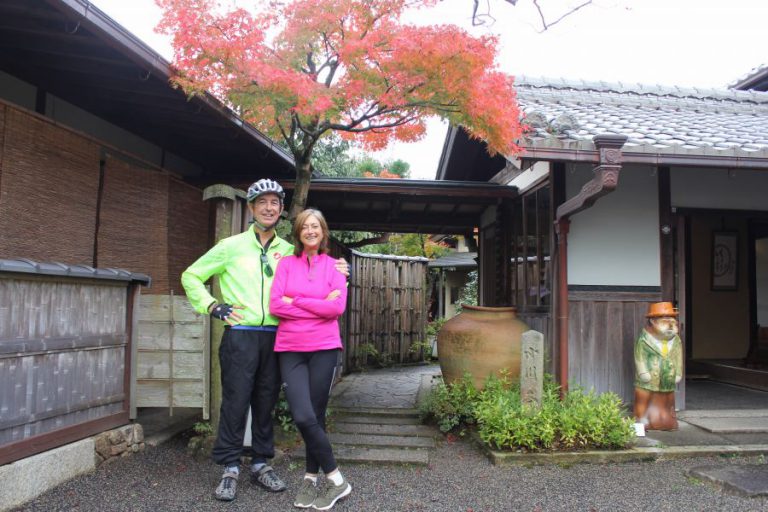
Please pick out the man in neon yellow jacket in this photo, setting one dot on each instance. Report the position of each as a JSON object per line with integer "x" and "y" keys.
{"x": 245, "y": 265}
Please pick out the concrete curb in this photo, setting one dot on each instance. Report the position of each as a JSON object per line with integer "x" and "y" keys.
{"x": 643, "y": 454}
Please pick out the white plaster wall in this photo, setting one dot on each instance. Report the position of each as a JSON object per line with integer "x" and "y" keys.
{"x": 735, "y": 189}
{"x": 453, "y": 279}
{"x": 16, "y": 91}
{"x": 761, "y": 278}
{"x": 616, "y": 241}
{"x": 530, "y": 176}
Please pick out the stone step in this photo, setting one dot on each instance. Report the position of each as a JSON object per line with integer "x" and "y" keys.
{"x": 374, "y": 441}
{"x": 381, "y": 420}
{"x": 344, "y": 454}
{"x": 384, "y": 430}
{"x": 377, "y": 411}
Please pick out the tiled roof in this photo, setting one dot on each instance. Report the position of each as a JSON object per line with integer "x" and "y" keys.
{"x": 707, "y": 122}
{"x": 455, "y": 259}
{"x": 755, "y": 79}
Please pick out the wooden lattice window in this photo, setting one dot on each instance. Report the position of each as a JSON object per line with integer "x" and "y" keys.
{"x": 531, "y": 274}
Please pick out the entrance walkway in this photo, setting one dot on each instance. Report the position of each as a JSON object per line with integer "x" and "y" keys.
{"x": 385, "y": 388}
{"x": 375, "y": 417}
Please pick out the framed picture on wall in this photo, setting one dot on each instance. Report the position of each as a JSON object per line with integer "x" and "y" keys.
{"x": 725, "y": 260}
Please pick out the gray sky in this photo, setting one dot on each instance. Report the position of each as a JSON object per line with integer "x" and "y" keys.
{"x": 691, "y": 43}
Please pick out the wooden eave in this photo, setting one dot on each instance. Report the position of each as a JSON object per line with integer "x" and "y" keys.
{"x": 403, "y": 206}
{"x": 74, "y": 51}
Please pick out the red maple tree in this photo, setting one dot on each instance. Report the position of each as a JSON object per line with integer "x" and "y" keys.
{"x": 300, "y": 69}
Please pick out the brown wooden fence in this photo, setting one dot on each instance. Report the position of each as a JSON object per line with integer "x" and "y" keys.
{"x": 602, "y": 327}
{"x": 386, "y": 310}
{"x": 65, "y": 336}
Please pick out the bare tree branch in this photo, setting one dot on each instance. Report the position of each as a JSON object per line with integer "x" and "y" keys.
{"x": 558, "y": 20}
{"x": 485, "y": 18}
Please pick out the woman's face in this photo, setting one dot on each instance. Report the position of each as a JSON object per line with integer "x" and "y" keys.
{"x": 311, "y": 233}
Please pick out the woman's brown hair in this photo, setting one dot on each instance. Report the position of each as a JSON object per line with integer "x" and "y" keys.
{"x": 298, "y": 223}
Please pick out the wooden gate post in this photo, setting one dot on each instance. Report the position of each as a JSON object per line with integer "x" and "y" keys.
{"x": 227, "y": 212}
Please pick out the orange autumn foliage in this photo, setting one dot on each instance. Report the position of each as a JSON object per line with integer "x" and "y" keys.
{"x": 299, "y": 69}
{"x": 384, "y": 173}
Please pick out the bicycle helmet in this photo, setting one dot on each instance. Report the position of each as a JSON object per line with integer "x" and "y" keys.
{"x": 265, "y": 186}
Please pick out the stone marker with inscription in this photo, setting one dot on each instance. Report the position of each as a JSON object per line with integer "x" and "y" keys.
{"x": 532, "y": 367}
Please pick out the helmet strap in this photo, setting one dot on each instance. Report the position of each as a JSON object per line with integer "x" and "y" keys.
{"x": 264, "y": 228}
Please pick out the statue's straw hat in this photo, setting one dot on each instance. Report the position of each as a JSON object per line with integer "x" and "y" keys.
{"x": 659, "y": 309}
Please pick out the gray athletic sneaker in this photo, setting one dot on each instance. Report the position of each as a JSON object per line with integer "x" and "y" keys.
{"x": 332, "y": 494}
{"x": 227, "y": 489}
{"x": 267, "y": 478}
{"x": 306, "y": 495}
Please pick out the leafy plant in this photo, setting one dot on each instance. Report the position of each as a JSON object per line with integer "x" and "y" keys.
{"x": 581, "y": 420}
{"x": 369, "y": 354}
{"x": 451, "y": 405}
{"x": 282, "y": 414}
{"x": 421, "y": 347}
{"x": 468, "y": 293}
{"x": 434, "y": 326}
{"x": 203, "y": 428}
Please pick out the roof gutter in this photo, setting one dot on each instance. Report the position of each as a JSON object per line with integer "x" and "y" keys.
{"x": 637, "y": 157}
{"x": 605, "y": 181}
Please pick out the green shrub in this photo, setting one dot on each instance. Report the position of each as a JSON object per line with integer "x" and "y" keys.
{"x": 368, "y": 354}
{"x": 282, "y": 414}
{"x": 579, "y": 421}
{"x": 203, "y": 428}
{"x": 421, "y": 348}
{"x": 283, "y": 417}
{"x": 434, "y": 326}
{"x": 451, "y": 405}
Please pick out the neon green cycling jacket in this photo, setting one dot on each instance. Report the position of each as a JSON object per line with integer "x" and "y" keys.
{"x": 242, "y": 277}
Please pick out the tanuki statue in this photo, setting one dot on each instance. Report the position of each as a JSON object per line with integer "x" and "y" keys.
{"x": 658, "y": 368}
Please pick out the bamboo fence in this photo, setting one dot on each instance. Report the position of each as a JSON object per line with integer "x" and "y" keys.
{"x": 386, "y": 310}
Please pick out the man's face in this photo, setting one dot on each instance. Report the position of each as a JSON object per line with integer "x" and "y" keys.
{"x": 665, "y": 327}
{"x": 266, "y": 209}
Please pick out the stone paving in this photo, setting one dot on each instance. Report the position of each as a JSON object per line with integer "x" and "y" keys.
{"x": 382, "y": 388}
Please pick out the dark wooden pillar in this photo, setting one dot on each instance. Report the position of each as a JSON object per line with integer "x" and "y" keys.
{"x": 227, "y": 220}
{"x": 557, "y": 190}
{"x": 666, "y": 236}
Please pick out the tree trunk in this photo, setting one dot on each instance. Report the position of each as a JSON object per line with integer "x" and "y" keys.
{"x": 301, "y": 189}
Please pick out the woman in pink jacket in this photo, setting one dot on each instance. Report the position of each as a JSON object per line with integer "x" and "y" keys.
{"x": 308, "y": 295}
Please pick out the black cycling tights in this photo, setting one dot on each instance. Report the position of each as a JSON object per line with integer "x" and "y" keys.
{"x": 308, "y": 377}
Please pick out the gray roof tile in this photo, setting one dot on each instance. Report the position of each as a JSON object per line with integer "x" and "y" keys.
{"x": 656, "y": 119}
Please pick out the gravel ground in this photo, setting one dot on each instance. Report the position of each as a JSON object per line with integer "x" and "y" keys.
{"x": 459, "y": 479}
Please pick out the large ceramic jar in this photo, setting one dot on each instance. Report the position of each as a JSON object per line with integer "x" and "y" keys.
{"x": 481, "y": 341}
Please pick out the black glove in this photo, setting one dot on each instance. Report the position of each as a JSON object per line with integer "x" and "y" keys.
{"x": 221, "y": 311}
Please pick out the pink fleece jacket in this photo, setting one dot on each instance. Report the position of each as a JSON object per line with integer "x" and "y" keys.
{"x": 309, "y": 323}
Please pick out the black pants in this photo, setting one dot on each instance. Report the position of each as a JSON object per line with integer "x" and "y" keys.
{"x": 249, "y": 377}
{"x": 308, "y": 377}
